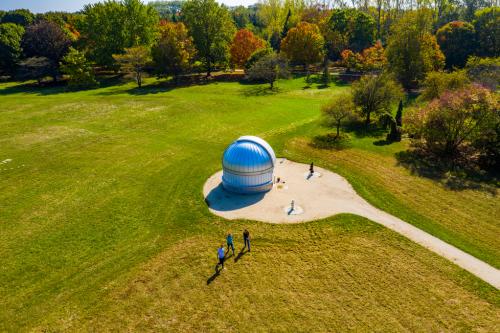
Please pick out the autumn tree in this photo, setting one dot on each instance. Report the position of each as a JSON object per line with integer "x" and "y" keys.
{"x": 269, "y": 68}
{"x": 174, "y": 51}
{"x": 457, "y": 40}
{"x": 351, "y": 60}
{"x": 133, "y": 61}
{"x": 337, "y": 110}
{"x": 374, "y": 58}
{"x": 212, "y": 28}
{"x": 412, "y": 51}
{"x": 456, "y": 120}
{"x": 244, "y": 44}
{"x": 375, "y": 94}
{"x": 303, "y": 45}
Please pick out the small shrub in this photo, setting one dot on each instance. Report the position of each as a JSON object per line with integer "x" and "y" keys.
{"x": 78, "y": 68}
{"x": 340, "y": 108}
{"x": 256, "y": 56}
{"x": 269, "y": 68}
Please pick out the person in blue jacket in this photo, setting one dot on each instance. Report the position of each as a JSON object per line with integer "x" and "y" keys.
{"x": 230, "y": 243}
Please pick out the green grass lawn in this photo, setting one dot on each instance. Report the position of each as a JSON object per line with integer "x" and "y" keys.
{"x": 104, "y": 225}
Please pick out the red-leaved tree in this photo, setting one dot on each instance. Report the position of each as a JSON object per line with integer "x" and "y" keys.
{"x": 244, "y": 44}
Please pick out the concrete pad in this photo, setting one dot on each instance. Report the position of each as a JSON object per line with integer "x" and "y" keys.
{"x": 321, "y": 195}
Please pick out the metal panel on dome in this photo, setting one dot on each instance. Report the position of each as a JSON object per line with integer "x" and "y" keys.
{"x": 248, "y": 165}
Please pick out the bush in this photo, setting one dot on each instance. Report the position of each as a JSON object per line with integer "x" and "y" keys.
{"x": 37, "y": 68}
{"x": 456, "y": 122}
{"x": 269, "y": 68}
{"x": 80, "y": 72}
{"x": 256, "y": 56}
{"x": 436, "y": 83}
{"x": 337, "y": 110}
{"x": 485, "y": 71}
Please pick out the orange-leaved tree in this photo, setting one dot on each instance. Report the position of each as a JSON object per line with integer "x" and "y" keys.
{"x": 174, "y": 50}
{"x": 374, "y": 57}
{"x": 244, "y": 44}
{"x": 303, "y": 45}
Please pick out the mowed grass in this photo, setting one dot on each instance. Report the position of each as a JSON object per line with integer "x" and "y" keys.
{"x": 104, "y": 225}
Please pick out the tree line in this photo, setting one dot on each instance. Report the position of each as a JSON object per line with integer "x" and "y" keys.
{"x": 170, "y": 38}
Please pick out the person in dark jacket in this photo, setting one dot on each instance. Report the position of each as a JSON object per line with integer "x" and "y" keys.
{"x": 246, "y": 239}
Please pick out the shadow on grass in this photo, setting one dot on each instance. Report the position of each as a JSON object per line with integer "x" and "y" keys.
{"x": 382, "y": 142}
{"x": 60, "y": 87}
{"x": 331, "y": 141}
{"x": 317, "y": 81}
{"x": 240, "y": 255}
{"x": 215, "y": 275}
{"x": 361, "y": 130}
{"x": 35, "y": 89}
{"x": 452, "y": 176}
{"x": 260, "y": 90}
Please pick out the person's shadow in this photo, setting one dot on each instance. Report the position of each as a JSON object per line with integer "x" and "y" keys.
{"x": 215, "y": 275}
{"x": 241, "y": 254}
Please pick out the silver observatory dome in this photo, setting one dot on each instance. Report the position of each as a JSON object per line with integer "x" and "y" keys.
{"x": 248, "y": 165}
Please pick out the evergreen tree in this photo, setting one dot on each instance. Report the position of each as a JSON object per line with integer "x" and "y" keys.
{"x": 399, "y": 114}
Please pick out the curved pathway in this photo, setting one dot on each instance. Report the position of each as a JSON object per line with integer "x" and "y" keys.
{"x": 325, "y": 194}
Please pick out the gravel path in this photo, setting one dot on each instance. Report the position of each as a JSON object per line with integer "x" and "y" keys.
{"x": 321, "y": 195}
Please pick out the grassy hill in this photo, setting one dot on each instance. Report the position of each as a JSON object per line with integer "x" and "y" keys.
{"x": 104, "y": 225}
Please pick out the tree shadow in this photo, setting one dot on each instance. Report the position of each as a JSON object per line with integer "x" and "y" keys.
{"x": 330, "y": 141}
{"x": 35, "y": 89}
{"x": 260, "y": 90}
{"x": 382, "y": 142}
{"x": 61, "y": 86}
{"x": 452, "y": 176}
{"x": 361, "y": 130}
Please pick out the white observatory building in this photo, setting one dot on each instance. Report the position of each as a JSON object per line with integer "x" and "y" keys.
{"x": 248, "y": 165}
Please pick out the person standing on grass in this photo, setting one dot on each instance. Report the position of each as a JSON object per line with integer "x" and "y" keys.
{"x": 246, "y": 239}
{"x": 221, "y": 255}
{"x": 229, "y": 241}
